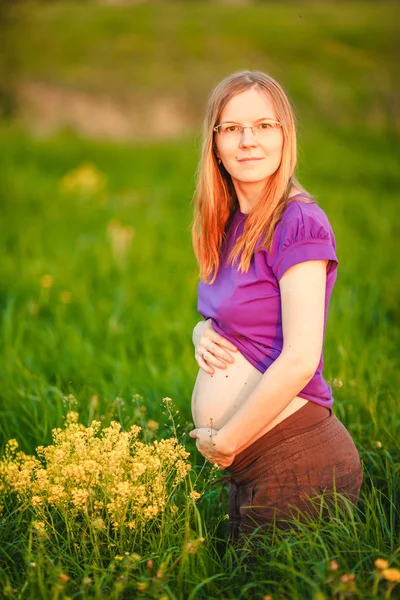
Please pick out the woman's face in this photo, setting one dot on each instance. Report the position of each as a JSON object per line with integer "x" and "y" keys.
{"x": 247, "y": 108}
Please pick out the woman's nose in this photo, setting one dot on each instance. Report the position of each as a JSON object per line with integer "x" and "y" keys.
{"x": 247, "y": 138}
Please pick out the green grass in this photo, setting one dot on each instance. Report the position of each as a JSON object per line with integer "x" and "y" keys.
{"x": 127, "y": 329}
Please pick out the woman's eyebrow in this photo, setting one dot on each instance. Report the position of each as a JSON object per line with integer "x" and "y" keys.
{"x": 256, "y": 121}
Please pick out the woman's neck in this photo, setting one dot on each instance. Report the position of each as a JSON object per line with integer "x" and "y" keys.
{"x": 248, "y": 194}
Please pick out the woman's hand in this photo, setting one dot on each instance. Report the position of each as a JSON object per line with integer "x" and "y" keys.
{"x": 211, "y": 446}
{"x": 211, "y": 349}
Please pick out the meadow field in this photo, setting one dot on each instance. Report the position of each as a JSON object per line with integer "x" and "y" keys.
{"x": 98, "y": 289}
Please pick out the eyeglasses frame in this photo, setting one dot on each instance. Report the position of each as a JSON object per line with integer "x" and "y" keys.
{"x": 243, "y": 127}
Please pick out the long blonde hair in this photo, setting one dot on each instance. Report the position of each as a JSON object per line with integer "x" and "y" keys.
{"x": 215, "y": 197}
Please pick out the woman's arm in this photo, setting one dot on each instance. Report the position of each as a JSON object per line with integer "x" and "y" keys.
{"x": 303, "y": 307}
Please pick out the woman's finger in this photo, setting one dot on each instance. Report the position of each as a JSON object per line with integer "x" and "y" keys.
{"x": 227, "y": 344}
{"x": 215, "y": 337}
{"x": 203, "y": 365}
{"x": 211, "y": 360}
{"x": 219, "y": 353}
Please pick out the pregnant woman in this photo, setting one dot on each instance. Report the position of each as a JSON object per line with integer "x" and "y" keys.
{"x": 267, "y": 257}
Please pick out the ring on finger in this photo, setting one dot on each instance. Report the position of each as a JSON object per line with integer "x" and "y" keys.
{"x": 203, "y": 354}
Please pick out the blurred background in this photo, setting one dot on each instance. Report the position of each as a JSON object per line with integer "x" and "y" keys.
{"x": 131, "y": 69}
{"x": 101, "y": 106}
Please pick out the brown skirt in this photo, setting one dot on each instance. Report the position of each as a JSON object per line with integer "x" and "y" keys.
{"x": 271, "y": 482}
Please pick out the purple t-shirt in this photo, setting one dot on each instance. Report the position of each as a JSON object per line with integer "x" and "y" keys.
{"x": 245, "y": 308}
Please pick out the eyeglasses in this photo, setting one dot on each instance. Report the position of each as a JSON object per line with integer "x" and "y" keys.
{"x": 234, "y": 130}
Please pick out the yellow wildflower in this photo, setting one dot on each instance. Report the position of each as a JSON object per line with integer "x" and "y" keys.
{"x": 98, "y": 523}
{"x": 56, "y": 495}
{"x": 86, "y": 179}
{"x": 109, "y": 475}
{"x": 46, "y": 281}
{"x": 194, "y": 495}
{"x": 153, "y": 425}
{"x": 381, "y": 564}
{"x": 79, "y": 497}
{"x": 392, "y": 575}
{"x": 65, "y": 297}
{"x": 138, "y": 469}
{"x": 142, "y": 586}
{"x": 11, "y": 446}
{"x": 151, "y": 511}
{"x": 72, "y": 417}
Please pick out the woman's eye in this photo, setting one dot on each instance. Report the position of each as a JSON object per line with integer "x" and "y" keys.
{"x": 265, "y": 125}
{"x": 231, "y": 128}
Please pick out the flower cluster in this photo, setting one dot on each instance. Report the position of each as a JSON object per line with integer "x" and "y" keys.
{"x": 344, "y": 585}
{"x": 85, "y": 179}
{"x": 383, "y": 571}
{"x": 104, "y": 474}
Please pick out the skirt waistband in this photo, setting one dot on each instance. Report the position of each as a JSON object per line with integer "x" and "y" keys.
{"x": 308, "y": 417}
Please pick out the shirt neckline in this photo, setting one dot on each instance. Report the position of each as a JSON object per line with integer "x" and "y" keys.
{"x": 242, "y": 214}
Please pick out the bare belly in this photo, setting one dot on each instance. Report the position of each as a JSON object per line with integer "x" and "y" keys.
{"x": 217, "y": 397}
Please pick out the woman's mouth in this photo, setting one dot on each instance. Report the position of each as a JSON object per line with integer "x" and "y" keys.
{"x": 243, "y": 160}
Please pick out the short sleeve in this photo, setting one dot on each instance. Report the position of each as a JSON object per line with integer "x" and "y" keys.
{"x": 304, "y": 233}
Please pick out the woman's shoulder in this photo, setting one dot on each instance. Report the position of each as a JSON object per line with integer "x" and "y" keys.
{"x": 304, "y": 209}
{"x": 303, "y": 219}
{"x": 303, "y": 233}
